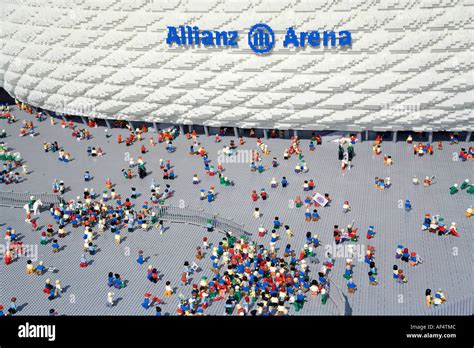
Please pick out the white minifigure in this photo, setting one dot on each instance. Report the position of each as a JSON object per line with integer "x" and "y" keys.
{"x": 256, "y": 213}
{"x": 58, "y": 290}
{"x": 346, "y": 207}
{"x": 273, "y": 183}
{"x": 110, "y": 299}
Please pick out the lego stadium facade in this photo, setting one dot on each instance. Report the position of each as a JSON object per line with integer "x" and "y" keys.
{"x": 286, "y": 64}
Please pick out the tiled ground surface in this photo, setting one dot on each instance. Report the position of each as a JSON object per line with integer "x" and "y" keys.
{"x": 448, "y": 261}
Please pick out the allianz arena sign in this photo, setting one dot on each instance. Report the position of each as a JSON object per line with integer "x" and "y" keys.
{"x": 260, "y": 38}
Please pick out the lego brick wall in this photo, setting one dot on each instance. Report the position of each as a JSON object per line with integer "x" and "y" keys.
{"x": 409, "y": 67}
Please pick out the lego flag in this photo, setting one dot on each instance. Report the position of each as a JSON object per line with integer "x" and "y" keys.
{"x": 320, "y": 199}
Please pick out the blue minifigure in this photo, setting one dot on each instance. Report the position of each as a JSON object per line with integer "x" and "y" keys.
{"x": 210, "y": 196}
{"x": 40, "y": 268}
{"x": 140, "y": 257}
{"x": 55, "y": 246}
{"x": 87, "y": 176}
{"x": 370, "y": 232}
{"x": 118, "y": 284}
{"x": 351, "y": 286}
{"x": 51, "y": 294}
{"x": 276, "y": 223}
{"x": 146, "y": 301}
{"x": 316, "y": 241}
{"x": 13, "y": 236}
{"x": 158, "y": 311}
{"x": 407, "y": 205}
{"x": 111, "y": 279}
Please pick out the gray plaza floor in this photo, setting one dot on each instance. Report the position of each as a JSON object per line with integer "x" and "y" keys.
{"x": 448, "y": 261}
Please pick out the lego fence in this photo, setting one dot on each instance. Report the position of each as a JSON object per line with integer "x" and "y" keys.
{"x": 200, "y": 218}
{"x": 19, "y": 199}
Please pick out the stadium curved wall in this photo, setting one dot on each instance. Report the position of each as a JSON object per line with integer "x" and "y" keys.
{"x": 410, "y": 65}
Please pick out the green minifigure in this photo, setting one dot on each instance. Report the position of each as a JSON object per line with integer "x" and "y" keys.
{"x": 324, "y": 296}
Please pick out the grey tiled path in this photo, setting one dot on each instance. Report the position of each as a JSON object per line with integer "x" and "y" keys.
{"x": 448, "y": 261}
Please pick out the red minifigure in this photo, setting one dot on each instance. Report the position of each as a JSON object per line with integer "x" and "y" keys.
{"x": 108, "y": 184}
{"x": 184, "y": 278}
{"x": 254, "y": 196}
{"x": 198, "y": 253}
{"x": 8, "y": 259}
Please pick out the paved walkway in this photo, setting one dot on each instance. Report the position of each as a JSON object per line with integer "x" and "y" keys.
{"x": 448, "y": 261}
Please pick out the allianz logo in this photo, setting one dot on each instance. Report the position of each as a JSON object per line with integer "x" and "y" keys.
{"x": 260, "y": 38}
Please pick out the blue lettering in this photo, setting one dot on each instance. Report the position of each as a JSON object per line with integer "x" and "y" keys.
{"x": 290, "y": 38}
{"x": 190, "y": 35}
{"x": 329, "y": 35}
{"x": 221, "y": 36}
{"x": 207, "y": 38}
{"x": 233, "y": 38}
{"x": 303, "y": 35}
{"x": 346, "y": 39}
{"x": 314, "y": 39}
{"x": 196, "y": 35}
{"x": 173, "y": 36}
